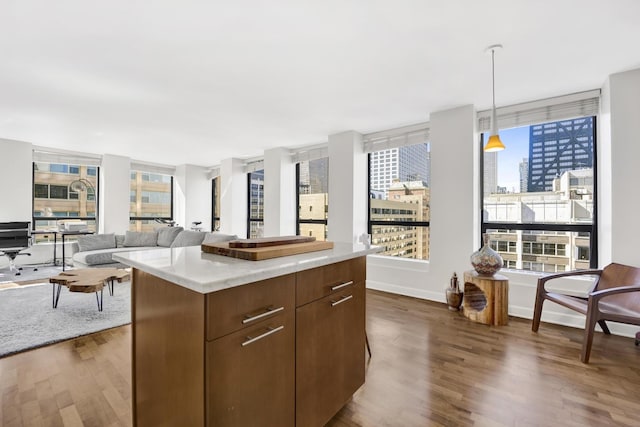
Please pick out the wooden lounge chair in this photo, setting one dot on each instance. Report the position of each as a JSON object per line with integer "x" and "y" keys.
{"x": 615, "y": 297}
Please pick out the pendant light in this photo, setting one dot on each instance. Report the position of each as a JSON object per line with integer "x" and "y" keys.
{"x": 494, "y": 143}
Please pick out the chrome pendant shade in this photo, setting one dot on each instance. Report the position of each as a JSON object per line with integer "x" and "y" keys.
{"x": 494, "y": 143}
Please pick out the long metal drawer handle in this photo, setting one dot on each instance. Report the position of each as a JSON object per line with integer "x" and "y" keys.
{"x": 259, "y": 337}
{"x": 269, "y": 312}
{"x": 341, "y": 300}
{"x": 336, "y": 287}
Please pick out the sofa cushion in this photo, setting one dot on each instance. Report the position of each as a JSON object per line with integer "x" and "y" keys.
{"x": 119, "y": 240}
{"x": 188, "y": 238}
{"x": 166, "y": 235}
{"x": 102, "y": 256}
{"x": 140, "y": 238}
{"x": 217, "y": 237}
{"x": 96, "y": 241}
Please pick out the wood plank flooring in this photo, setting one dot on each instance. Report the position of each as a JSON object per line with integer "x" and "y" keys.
{"x": 430, "y": 367}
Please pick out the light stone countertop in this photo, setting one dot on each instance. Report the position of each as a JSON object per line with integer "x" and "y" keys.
{"x": 203, "y": 272}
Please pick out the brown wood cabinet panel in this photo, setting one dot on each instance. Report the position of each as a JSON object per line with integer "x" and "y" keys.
{"x": 318, "y": 282}
{"x": 253, "y": 385}
{"x": 228, "y": 308}
{"x": 330, "y": 354}
{"x": 168, "y": 353}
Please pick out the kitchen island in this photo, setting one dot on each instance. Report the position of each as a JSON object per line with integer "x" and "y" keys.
{"x": 219, "y": 341}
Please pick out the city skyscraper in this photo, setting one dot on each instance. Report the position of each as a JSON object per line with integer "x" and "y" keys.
{"x": 410, "y": 163}
{"x": 558, "y": 147}
{"x": 524, "y": 175}
{"x": 490, "y": 176}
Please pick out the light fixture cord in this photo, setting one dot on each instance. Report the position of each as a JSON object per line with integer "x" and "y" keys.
{"x": 493, "y": 78}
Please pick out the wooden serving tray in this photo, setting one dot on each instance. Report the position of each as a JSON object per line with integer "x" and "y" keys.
{"x": 262, "y": 242}
{"x": 258, "y": 254}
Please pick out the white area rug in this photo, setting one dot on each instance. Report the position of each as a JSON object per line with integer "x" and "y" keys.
{"x": 27, "y": 273}
{"x": 28, "y": 320}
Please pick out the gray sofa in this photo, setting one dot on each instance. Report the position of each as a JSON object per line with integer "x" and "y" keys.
{"x": 96, "y": 250}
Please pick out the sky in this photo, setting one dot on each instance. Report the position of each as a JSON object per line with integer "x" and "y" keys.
{"x": 516, "y": 141}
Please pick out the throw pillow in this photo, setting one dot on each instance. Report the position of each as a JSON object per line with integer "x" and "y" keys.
{"x": 140, "y": 238}
{"x": 96, "y": 241}
{"x": 188, "y": 238}
{"x": 166, "y": 235}
{"x": 217, "y": 237}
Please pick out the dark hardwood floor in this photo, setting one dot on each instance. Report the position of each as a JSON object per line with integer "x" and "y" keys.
{"x": 430, "y": 367}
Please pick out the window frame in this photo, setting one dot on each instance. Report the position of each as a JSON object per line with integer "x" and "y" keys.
{"x": 249, "y": 218}
{"x": 371, "y": 223}
{"x": 153, "y": 218}
{"x": 34, "y": 218}
{"x": 592, "y": 228}
{"x": 215, "y": 215}
{"x": 299, "y": 220}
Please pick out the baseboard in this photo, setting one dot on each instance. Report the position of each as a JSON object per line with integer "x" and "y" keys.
{"x": 406, "y": 291}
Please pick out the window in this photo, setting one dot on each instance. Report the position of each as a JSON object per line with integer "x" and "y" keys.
{"x": 540, "y": 193}
{"x": 215, "y": 204}
{"x": 53, "y": 200}
{"x": 150, "y": 198}
{"x": 255, "y": 215}
{"x": 312, "y": 177}
{"x": 399, "y": 200}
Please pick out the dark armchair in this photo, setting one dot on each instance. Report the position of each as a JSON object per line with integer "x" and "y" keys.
{"x": 614, "y": 297}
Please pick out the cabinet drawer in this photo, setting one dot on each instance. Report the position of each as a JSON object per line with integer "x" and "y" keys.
{"x": 250, "y": 378}
{"x": 232, "y": 309}
{"x": 322, "y": 281}
{"x": 330, "y": 354}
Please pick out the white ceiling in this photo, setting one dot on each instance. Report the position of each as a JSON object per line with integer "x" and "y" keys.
{"x": 195, "y": 82}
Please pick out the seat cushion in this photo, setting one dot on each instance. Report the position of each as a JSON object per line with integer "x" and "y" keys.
{"x": 103, "y": 256}
{"x": 136, "y": 239}
{"x": 93, "y": 242}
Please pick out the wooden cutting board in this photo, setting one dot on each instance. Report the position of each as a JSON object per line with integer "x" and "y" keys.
{"x": 258, "y": 254}
{"x": 262, "y": 242}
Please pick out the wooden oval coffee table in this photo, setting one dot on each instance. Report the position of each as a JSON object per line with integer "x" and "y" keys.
{"x": 87, "y": 280}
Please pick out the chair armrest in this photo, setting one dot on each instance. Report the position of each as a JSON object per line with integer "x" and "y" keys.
{"x": 74, "y": 248}
{"x": 545, "y": 279}
{"x": 612, "y": 291}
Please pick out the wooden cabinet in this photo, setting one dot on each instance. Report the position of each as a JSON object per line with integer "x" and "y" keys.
{"x": 250, "y": 375}
{"x": 330, "y": 342}
{"x": 250, "y": 355}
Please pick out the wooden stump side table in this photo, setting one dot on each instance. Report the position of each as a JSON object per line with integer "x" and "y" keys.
{"x": 486, "y": 298}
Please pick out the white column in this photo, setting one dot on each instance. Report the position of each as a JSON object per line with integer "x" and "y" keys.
{"x": 233, "y": 197}
{"x": 455, "y": 194}
{"x": 279, "y": 193}
{"x": 16, "y": 160}
{"x": 347, "y": 218}
{"x": 192, "y": 197}
{"x": 115, "y": 187}
{"x": 618, "y": 172}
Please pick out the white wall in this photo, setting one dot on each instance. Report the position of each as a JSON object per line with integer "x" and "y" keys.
{"x": 624, "y": 113}
{"x": 192, "y": 196}
{"x": 115, "y": 188}
{"x": 16, "y": 177}
{"x": 279, "y": 193}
